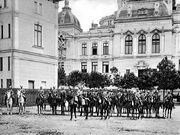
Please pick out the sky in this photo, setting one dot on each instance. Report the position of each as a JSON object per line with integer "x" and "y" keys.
{"x": 88, "y": 11}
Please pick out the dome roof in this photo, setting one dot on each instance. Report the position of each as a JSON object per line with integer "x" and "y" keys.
{"x": 66, "y": 17}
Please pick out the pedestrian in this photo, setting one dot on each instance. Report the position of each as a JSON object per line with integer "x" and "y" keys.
{"x": 73, "y": 105}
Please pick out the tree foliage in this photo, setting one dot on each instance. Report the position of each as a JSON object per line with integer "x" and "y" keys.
{"x": 129, "y": 81}
{"x": 167, "y": 75}
{"x": 145, "y": 81}
{"x": 74, "y": 78}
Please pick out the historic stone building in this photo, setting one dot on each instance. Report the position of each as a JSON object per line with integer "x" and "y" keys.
{"x": 137, "y": 36}
{"x": 28, "y": 43}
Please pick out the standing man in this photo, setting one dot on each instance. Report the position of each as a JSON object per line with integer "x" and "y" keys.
{"x": 73, "y": 104}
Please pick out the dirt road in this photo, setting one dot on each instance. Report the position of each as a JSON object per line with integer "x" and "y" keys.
{"x": 31, "y": 123}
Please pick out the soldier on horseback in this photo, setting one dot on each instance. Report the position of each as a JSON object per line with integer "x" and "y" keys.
{"x": 9, "y": 99}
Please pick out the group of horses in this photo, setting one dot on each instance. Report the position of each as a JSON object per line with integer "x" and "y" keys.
{"x": 10, "y": 99}
{"x": 125, "y": 103}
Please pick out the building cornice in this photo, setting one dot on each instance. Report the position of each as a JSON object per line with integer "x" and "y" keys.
{"x": 128, "y": 20}
{"x": 29, "y": 53}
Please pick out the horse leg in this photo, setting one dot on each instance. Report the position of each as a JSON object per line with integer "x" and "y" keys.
{"x": 170, "y": 113}
{"x": 11, "y": 109}
{"x": 97, "y": 111}
{"x": 74, "y": 111}
{"x": 86, "y": 112}
{"x": 101, "y": 113}
{"x": 37, "y": 109}
{"x": 71, "y": 111}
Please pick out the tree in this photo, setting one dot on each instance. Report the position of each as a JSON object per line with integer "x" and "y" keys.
{"x": 129, "y": 81}
{"x": 96, "y": 80}
{"x": 74, "y": 78}
{"x": 167, "y": 75}
{"x": 145, "y": 81}
{"x": 85, "y": 78}
{"x": 61, "y": 77}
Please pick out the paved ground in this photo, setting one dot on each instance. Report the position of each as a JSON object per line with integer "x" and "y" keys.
{"x": 31, "y": 123}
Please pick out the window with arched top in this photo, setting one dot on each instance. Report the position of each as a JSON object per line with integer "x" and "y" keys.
{"x": 105, "y": 48}
{"x": 142, "y": 44}
{"x": 94, "y": 49}
{"x": 156, "y": 43}
{"x": 128, "y": 44}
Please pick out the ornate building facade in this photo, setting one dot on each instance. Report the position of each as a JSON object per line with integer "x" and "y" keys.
{"x": 137, "y": 36}
{"x": 28, "y": 43}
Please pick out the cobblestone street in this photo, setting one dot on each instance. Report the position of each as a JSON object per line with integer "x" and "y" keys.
{"x": 31, "y": 123}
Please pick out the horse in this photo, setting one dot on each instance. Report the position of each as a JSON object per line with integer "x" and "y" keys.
{"x": 9, "y": 101}
{"x": 119, "y": 104}
{"x": 52, "y": 100}
{"x": 21, "y": 102}
{"x": 39, "y": 103}
{"x": 147, "y": 105}
{"x": 156, "y": 105}
{"x": 168, "y": 105}
{"x": 104, "y": 107}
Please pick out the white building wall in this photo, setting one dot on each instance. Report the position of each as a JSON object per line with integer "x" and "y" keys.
{"x": 29, "y": 62}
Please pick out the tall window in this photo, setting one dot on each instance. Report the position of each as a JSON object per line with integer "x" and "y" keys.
{"x": 5, "y": 3}
{"x": 38, "y": 7}
{"x": 105, "y": 67}
{"x": 1, "y": 64}
{"x": 9, "y": 30}
{"x": 142, "y": 44}
{"x": 94, "y": 49}
{"x": 8, "y": 83}
{"x": 128, "y": 44}
{"x": 84, "y": 67}
{"x": 37, "y": 35}
{"x": 1, "y": 83}
{"x": 31, "y": 84}
{"x": 84, "y": 49}
{"x": 9, "y": 63}
{"x": 156, "y": 43}
{"x": 105, "y": 48}
{"x": 2, "y": 32}
{"x": 94, "y": 66}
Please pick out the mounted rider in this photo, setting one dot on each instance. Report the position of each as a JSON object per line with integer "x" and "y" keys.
{"x": 19, "y": 92}
{"x": 11, "y": 92}
{"x": 168, "y": 97}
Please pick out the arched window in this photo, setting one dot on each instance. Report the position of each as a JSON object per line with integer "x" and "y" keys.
{"x": 105, "y": 48}
{"x": 156, "y": 43}
{"x": 94, "y": 49}
{"x": 128, "y": 44}
{"x": 142, "y": 44}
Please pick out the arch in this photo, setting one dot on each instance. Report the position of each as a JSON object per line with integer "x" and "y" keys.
{"x": 142, "y": 44}
{"x": 155, "y": 43}
{"x": 128, "y": 44}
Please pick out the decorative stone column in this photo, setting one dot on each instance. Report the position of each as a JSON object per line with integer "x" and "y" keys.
{"x": 122, "y": 48}
{"x": 162, "y": 43}
{"x": 149, "y": 45}
{"x": 135, "y": 45}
